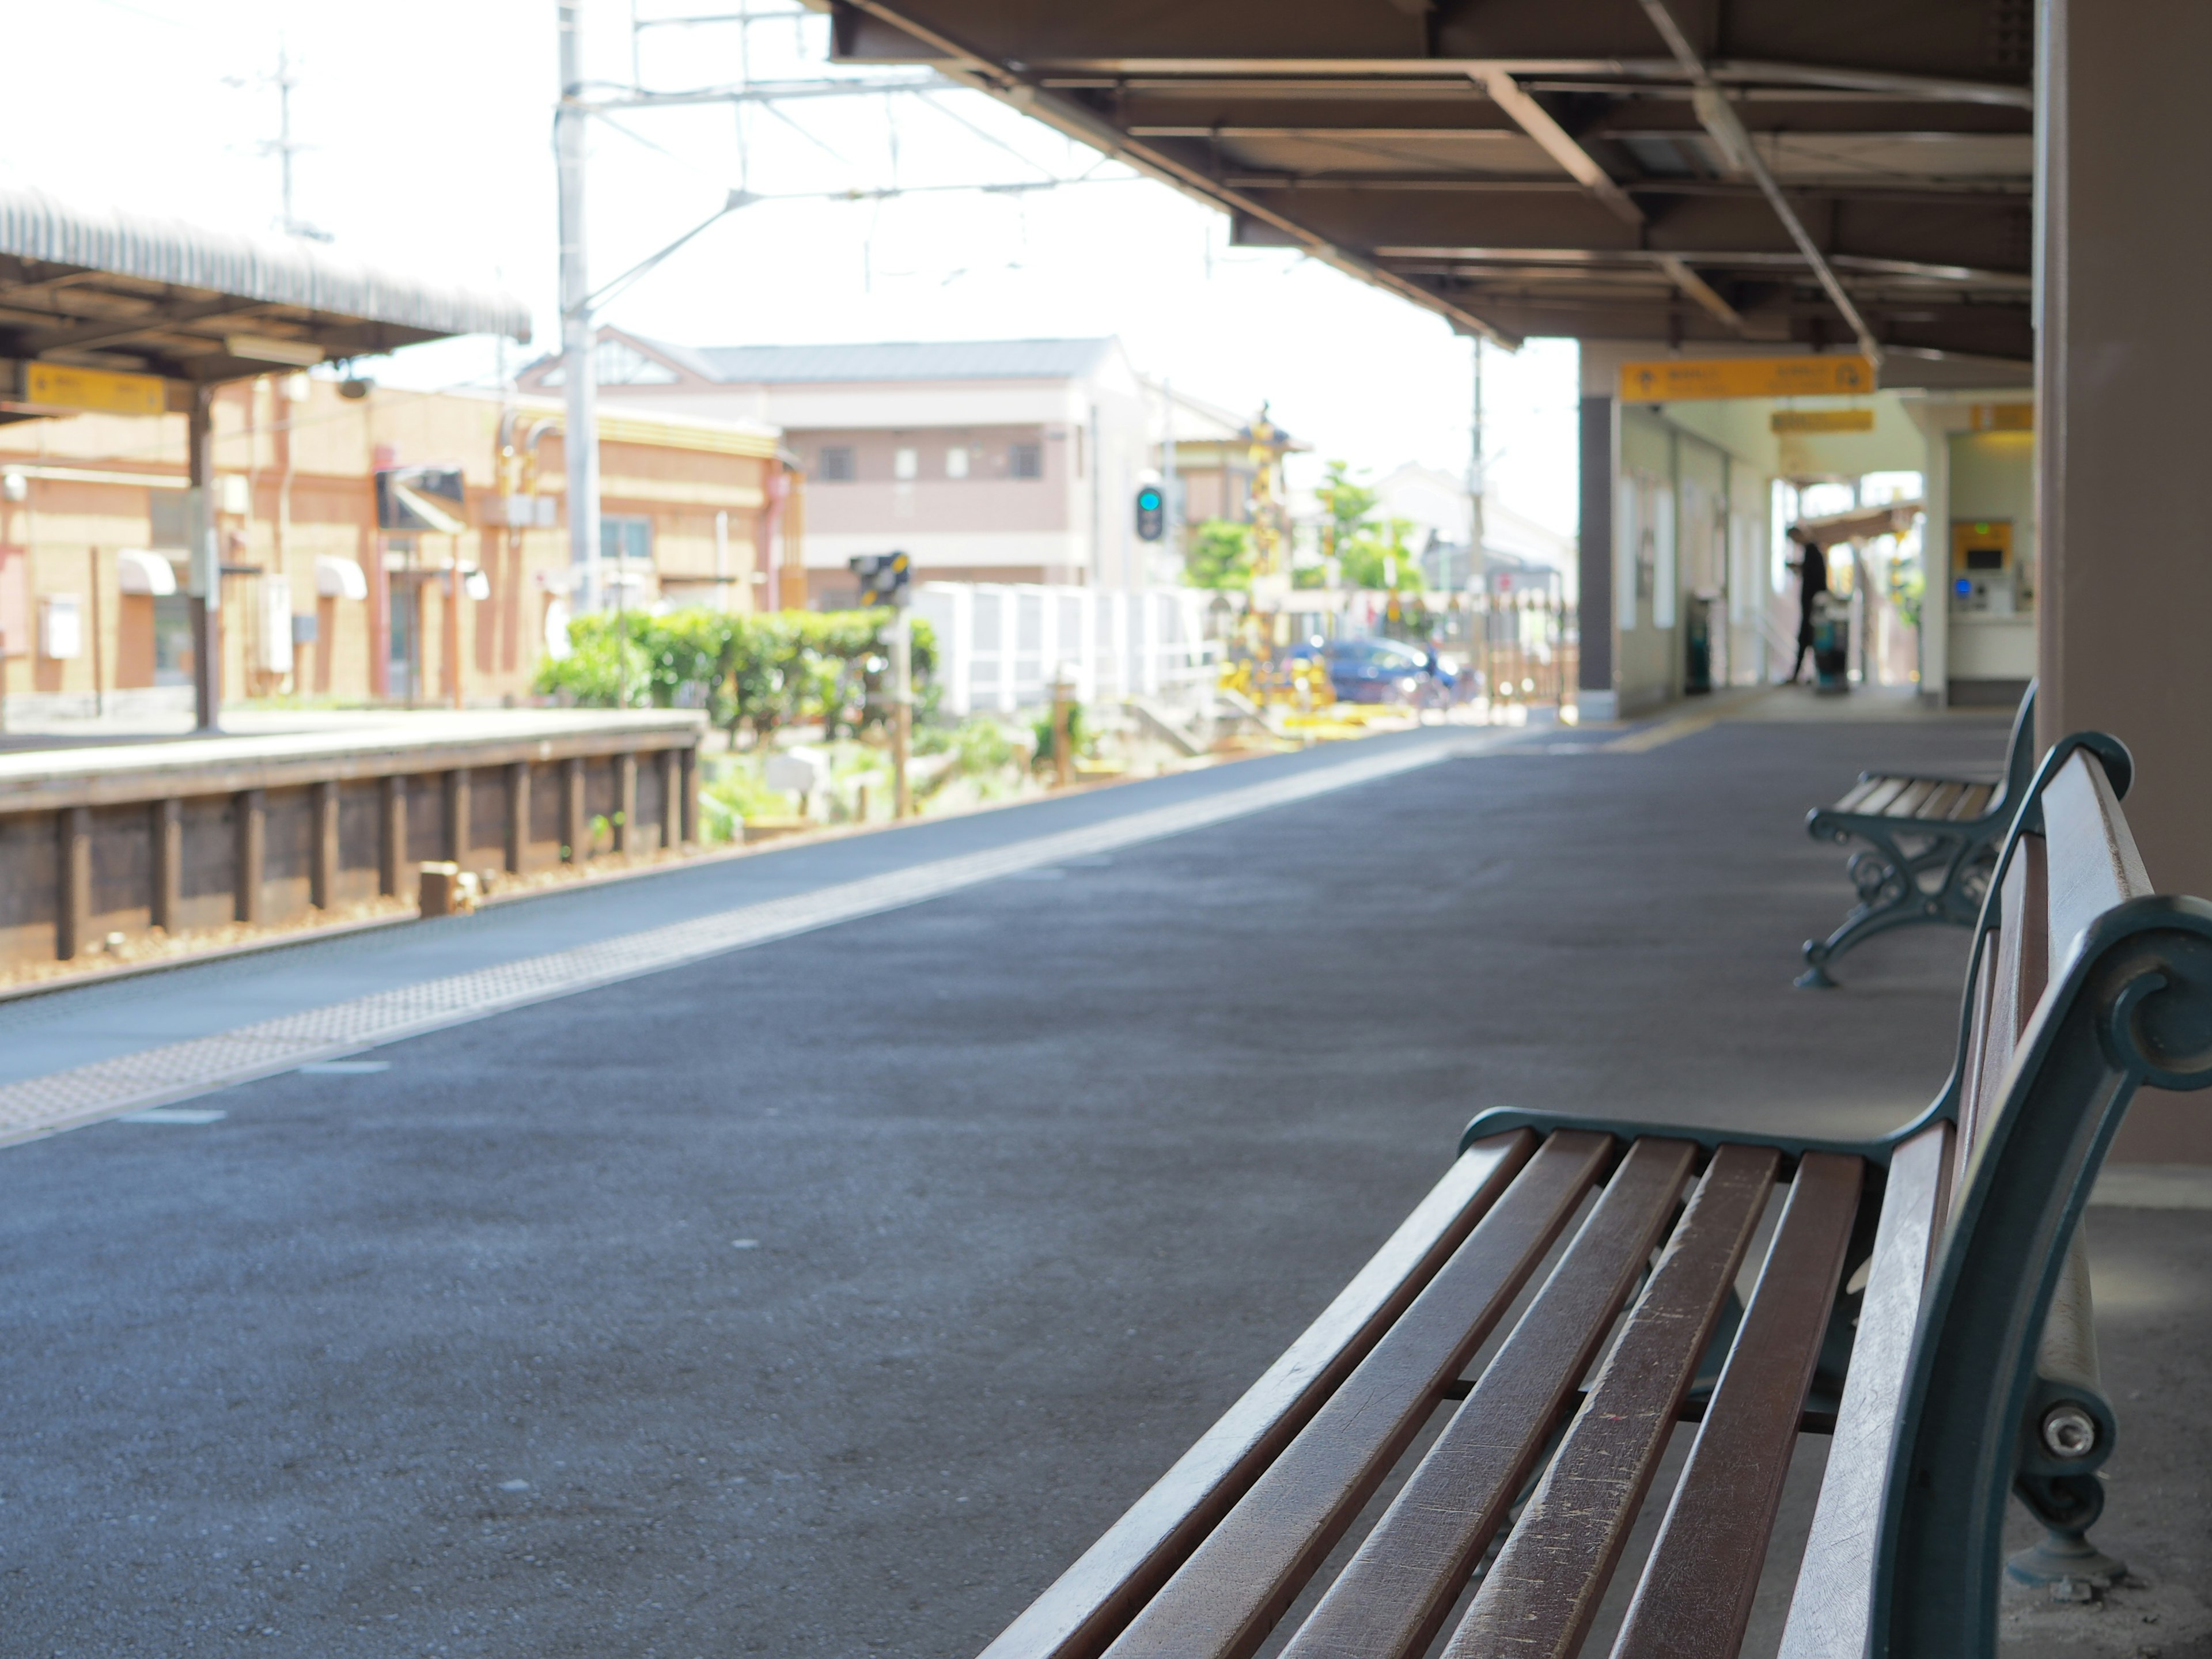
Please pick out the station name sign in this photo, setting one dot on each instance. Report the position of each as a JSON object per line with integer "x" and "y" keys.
{"x": 98, "y": 389}
{"x": 1674, "y": 379}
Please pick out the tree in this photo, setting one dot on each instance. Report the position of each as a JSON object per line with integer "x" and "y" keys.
{"x": 1369, "y": 553}
{"x": 1220, "y": 555}
{"x": 1347, "y": 505}
{"x": 1378, "y": 557}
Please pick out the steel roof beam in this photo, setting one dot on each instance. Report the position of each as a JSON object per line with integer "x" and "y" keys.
{"x": 1540, "y": 125}
{"x": 1720, "y": 121}
{"x": 102, "y": 332}
{"x": 1014, "y": 85}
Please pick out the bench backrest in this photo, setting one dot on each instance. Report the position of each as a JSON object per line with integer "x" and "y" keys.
{"x": 2084, "y": 985}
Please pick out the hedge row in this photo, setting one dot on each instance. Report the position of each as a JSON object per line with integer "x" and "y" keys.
{"x": 763, "y": 670}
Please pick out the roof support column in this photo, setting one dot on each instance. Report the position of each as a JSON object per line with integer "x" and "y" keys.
{"x": 206, "y": 602}
{"x": 1595, "y": 698}
{"x": 2123, "y": 354}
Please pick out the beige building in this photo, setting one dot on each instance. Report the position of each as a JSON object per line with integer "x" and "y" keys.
{"x": 450, "y": 595}
{"x": 986, "y": 460}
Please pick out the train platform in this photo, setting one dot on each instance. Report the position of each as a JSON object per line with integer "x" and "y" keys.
{"x": 823, "y": 1289}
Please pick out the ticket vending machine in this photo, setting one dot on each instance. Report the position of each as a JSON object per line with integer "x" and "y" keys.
{"x": 1984, "y": 578}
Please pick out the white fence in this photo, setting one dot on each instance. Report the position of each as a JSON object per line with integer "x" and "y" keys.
{"x": 999, "y": 645}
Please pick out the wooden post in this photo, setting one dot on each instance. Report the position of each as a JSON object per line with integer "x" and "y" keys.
{"x": 902, "y": 706}
{"x": 1063, "y": 703}
{"x": 392, "y": 847}
{"x": 252, "y": 827}
{"x": 689, "y": 758}
{"x": 517, "y": 815}
{"x": 166, "y": 832}
{"x": 99, "y": 647}
{"x": 572, "y": 847}
{"x": 671, "y": 798}
{"x": 627, "y": 839}
{"x": 457, "y": 815}
{"x": 205, "y": 606}
{"x": 73, "y": 900}
{"x": 453, "y": 596}
{"x": 323, "y": 863}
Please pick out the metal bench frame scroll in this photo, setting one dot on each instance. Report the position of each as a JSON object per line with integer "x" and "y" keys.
{"x": 1919, "y": 869}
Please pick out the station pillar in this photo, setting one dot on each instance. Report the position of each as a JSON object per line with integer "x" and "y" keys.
{"x": 1596, "y": 697}
{"x": 2125, "y": 369}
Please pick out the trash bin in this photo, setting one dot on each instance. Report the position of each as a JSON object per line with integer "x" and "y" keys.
{"x": 1831, "y": 644}
{"x": 1697, "y": 646}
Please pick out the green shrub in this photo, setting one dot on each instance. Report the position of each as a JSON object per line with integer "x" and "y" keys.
{"x": 1082, "y": 739}
{"x": 734, "y": 794}
{"x": 766, "y": 670}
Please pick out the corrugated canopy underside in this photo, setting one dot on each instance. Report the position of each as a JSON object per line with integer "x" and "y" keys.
{"x": 108, "y": 288}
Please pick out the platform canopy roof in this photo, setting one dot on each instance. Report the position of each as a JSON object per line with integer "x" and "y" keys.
{"x": 1758, "y": 171}
{"x": 112, "y": 290}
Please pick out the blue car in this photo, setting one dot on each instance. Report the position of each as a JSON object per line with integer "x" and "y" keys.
{"x": 1387, "y": 671}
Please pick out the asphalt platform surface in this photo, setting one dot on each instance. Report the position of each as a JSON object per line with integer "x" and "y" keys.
{"x": 828, "y": 1298}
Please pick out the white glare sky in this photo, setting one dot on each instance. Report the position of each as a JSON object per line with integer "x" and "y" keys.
{"x": 430, "y": 126}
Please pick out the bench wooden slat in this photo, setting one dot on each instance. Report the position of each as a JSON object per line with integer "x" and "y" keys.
{"x": 1884, "y": 792}
{"x": 1941, "y": 800}
{"x": 1829, "y": 1611}
{"x": 2016, "y": 981}
{"x": 1079, "y": 1613}
{"x": 1909, "y": 800}
{"x": 1398, "y": 1588}
{"x": 1222, "y": 1601}
{"x": 1981, "y": 992}
{"x": 1541, "y": 1593}
{"x": 1694, "y": 1600}
{"x": 1858, "y": 792}
{"x": 2097, "y": 866}
{"x": 1973, "y": 802}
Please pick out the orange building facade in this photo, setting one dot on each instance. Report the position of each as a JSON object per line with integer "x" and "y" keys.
{"x": 322, "y": 603}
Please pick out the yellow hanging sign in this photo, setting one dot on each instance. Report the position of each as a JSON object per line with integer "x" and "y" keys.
{"x": 1787, "y": 421}
{"x": 98, "y": 389}
{"x": 2001, "y": 417}
{"x": 1673, "y": 379}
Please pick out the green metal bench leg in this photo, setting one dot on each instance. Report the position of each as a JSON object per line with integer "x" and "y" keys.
{"x": 1893, "y": 893}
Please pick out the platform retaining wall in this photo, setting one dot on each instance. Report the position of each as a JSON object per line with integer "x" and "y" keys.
{"x": 269, "y": 839}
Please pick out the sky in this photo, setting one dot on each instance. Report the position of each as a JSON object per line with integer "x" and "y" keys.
{"x": 427, "y": 135}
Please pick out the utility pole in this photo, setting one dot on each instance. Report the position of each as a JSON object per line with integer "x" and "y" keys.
{"x": 1174, "y": 495}
{"x": 285, "y": 148}
{"x": 1475, "y": 482}
{"x": 580, "y": 438}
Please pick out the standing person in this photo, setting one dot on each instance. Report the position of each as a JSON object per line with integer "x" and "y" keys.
{"x": 1812, "y": 582}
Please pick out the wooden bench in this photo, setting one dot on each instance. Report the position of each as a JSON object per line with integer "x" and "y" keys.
{"x": 1946, "y": 1384}
{"x": 1931, "y": 842}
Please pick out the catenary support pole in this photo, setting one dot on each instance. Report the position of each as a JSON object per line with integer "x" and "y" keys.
{"x": 579, "y": 439}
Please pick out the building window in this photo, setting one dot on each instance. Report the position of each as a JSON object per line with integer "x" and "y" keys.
{"x": 837, "y": 465}
{"x": 906, "y": 464}
{"x": 1025, "y": 460}
{"x": 955, "y": 461}
{"x": 622, "y": 537}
